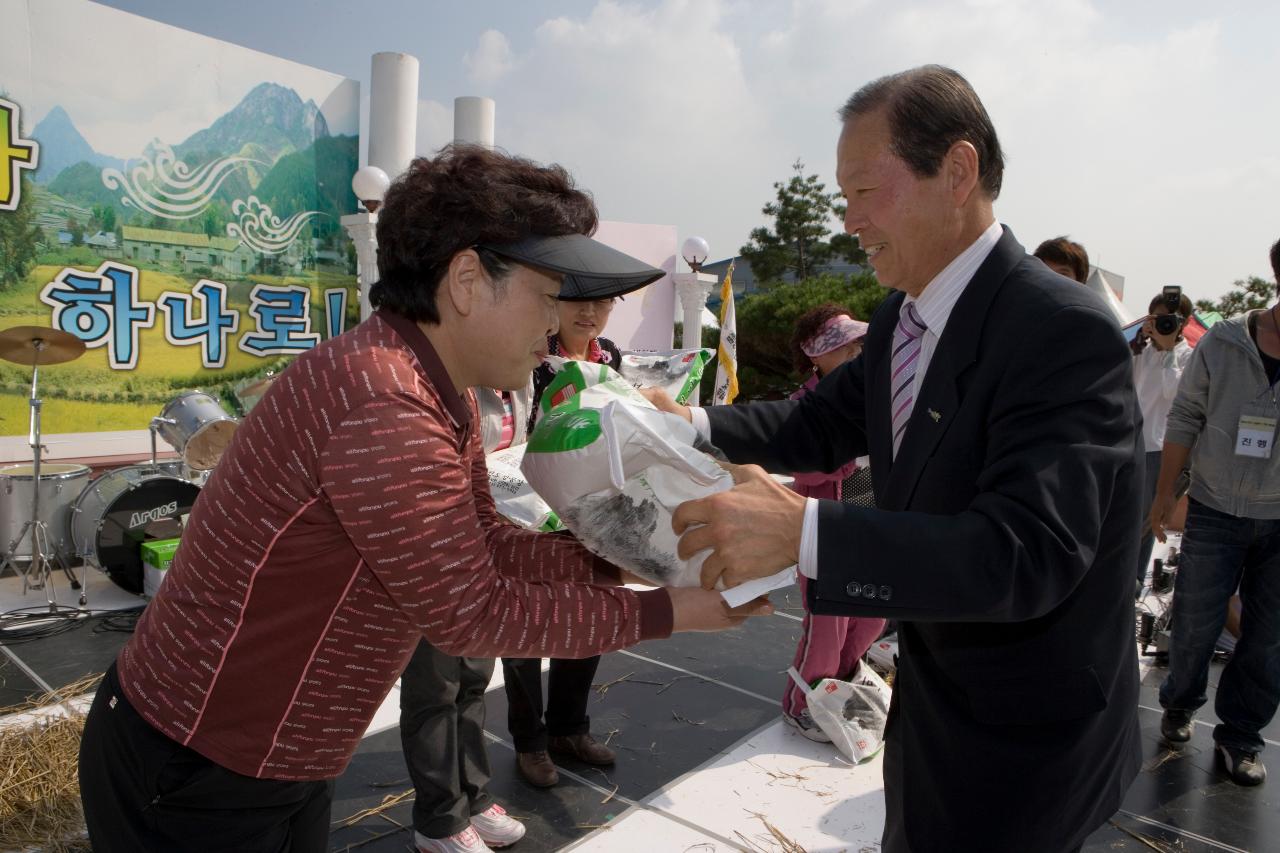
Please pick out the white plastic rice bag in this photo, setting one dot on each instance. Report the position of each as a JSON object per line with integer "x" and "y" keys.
{"x": 853, "y": 713}
{"x": 677, "y": 372}
{"x": 884, "y": 652}
{"x": 614, "y": 469}
{"x": 514, "y": 497}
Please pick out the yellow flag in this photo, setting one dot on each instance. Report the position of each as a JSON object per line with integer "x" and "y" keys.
{"x": 727, "y": 370}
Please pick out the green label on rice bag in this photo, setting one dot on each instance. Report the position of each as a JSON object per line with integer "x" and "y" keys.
{"x": 569, "y": 381}
{"x": 698, "y": 363}
{"x": 566, "y": 428}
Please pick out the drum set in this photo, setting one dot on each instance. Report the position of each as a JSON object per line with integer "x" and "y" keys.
{"x": 53, "y": 515}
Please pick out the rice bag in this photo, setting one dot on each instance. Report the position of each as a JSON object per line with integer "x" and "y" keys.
{"x": 677, "y": 372}
{"x": 614, "y": 469}
{"x": 852, "y": 713}
{"x": 514, "y": 498}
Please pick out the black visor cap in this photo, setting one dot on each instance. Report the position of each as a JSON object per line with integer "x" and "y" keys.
{"x": 591, "y": 269}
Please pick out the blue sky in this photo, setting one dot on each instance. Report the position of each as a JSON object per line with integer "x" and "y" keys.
{"x": 1146, "y": 130}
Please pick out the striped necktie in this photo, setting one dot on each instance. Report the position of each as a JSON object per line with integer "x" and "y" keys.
{"x": 906, "y": 356}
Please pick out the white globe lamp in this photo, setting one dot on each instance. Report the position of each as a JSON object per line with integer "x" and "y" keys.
{"x": 370, "y": 186}
{"x": 695, "y": 251}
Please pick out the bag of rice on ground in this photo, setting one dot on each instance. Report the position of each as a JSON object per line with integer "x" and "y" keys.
{"x": 853, "y": 713}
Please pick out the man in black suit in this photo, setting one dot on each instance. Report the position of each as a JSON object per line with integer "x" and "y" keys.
{"x": 996, "y": 401}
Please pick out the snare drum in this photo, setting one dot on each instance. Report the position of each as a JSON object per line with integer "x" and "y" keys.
{"x": 60, "y": 485}
{"x": 201, "y": 428}
{"x": 114, "y": 514}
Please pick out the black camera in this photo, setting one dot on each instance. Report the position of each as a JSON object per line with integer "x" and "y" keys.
{"x": 1168, "y": 324}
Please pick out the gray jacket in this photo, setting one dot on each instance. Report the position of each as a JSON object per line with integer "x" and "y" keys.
{"x": 1224, "y": 375}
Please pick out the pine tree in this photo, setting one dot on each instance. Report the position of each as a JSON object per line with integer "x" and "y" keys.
{"x": 801, "y": 240}
{"x": 1245, "y": 295}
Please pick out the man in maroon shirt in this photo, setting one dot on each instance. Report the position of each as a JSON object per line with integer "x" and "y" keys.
{"x": 350, "y": 518}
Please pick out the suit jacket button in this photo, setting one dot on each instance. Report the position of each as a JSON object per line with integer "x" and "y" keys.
{"x": 853, "y": 589}
{"x": 869, "y": 590}
{"x": 886, "y": 593}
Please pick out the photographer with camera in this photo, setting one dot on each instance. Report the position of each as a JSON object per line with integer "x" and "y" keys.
{"x": 1160, "y": 356}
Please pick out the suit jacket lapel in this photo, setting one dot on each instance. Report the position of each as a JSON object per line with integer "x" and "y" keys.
{"x": 939, "y": 400}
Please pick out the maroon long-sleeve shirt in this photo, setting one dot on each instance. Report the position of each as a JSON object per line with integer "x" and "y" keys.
{"x": 351, "y": 516}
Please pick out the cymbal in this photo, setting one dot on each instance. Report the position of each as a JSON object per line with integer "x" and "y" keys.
{"x": 27, "y": 345}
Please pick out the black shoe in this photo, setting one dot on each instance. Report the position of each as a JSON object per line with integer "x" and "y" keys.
{"x": 1244, "y": 767}
{"x": 1175, "y": 725}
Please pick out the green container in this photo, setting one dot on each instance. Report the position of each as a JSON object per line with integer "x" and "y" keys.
{"x": 158, "y": 553}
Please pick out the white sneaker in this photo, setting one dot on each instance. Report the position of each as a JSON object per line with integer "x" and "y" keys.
{"x": 467, "y": 841}
{"x": 805, "y": 725}
{"x": 496, "y": 827}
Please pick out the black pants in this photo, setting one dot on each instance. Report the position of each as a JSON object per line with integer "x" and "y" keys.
{"x": 894, "y": 838}
{"x": 568, "y": 689}
{"x": 442, "y": 731}
{"x": 143, "y": 791}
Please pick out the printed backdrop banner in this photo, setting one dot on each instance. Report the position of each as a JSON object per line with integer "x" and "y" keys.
{"x": 173, "y": 201}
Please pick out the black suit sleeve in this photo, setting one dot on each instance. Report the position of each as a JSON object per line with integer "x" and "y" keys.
{"x": 1060, "y": 435}
{"x": 821, "y": 431}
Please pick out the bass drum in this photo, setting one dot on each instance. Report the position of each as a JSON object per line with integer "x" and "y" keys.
{"x": 122, "y": 508}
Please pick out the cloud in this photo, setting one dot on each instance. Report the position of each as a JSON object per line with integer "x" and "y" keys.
{"x": 491, "y": 59}
{"x": 1136, "y": 136}
{"x": 649, "y": 108}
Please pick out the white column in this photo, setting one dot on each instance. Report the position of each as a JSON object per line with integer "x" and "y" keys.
{"x": 363, "y": 230}
{"x": 473, "y": 120}
{"x": 393, "y": 112}
{"x": 693, "y": 288}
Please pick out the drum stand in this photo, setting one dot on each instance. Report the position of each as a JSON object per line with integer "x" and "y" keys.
{"x": 39, "y": 572}
{"x": 157, "y": 422}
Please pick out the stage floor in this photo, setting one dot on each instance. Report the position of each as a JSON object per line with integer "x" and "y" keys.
{"x": 703, "y": 759}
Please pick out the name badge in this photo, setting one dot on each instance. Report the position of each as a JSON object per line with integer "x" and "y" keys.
{"x": 1256, "y": 435}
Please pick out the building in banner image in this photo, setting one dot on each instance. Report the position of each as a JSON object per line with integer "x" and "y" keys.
{"x": 179, "y": 248}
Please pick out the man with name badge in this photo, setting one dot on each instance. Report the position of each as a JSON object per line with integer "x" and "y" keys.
{"x": 1223, "y": 424}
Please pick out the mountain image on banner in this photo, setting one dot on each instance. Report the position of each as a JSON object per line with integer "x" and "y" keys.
{"x": 271, "y": 117}
{"x": 62, "y": 146}
{"x": 268, "y": 123}
{"x": 282, "y": 144}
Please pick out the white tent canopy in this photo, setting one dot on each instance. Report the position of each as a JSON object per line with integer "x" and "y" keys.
{"x": 1098, "y": 284}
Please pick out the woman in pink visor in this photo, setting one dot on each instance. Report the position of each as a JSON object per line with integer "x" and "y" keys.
{"x": 830, "y": 646}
